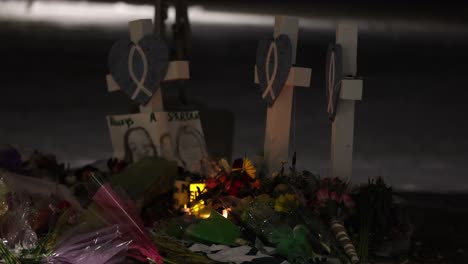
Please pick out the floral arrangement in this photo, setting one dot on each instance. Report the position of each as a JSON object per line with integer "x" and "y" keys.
{"x": 333, "y": 199}
{"x": 295, "y": 198}
{"x": 334, "y": 203}
{"x": 303, "y": 217}
{"x": 234, "y": 180}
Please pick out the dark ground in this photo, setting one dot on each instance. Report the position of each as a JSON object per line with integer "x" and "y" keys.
{"x": 440, "y": 227}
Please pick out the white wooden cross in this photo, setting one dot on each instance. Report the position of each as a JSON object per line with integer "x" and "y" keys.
{"x": 351, "y": 91}
{"x": 178, "y": 70}
{"x": 278, "y": 124}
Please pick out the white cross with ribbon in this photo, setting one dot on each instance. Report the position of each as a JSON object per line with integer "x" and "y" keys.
{"x": 278, "y": 123}
{"x": 350, "y": 91}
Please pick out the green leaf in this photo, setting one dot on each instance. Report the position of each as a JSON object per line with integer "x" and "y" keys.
{"x": 215, "y": 229}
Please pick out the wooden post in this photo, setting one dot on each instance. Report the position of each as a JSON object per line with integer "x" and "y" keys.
{"x": 177, "y": 69}
{"x": 181, "y": 32}
{"x": 160, "y": 18}
{"x": 351, "y": 91}
{"x": 278, "y": 123}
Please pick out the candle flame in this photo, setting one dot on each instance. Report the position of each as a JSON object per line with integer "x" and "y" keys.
{"x": 225, "y": 213}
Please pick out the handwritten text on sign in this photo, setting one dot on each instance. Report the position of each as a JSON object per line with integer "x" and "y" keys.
{"x": 172, "y": 116}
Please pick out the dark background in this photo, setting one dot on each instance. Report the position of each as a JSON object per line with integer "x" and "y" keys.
{"x": 410, "y": 127}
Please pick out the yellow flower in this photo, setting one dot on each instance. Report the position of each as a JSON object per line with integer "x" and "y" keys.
{"x": 248, "y": 168}
{"x": 286, "y": 202}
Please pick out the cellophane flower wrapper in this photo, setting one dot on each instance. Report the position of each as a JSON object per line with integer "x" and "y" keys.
{"x": 103, "y": 246}
{"x": 15, "y": 228}
{"x": 115, "y": 211}
{"x": 290, "y": 242}
{"x": 3, "y": 197}
{"x": 261, "y": 217}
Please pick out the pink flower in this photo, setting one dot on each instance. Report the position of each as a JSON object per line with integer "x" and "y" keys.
{"x": 336, "y": 181}
{"x": 334, "y": 196}
{"x": 347, "y": 200}
{"x": 322, "y": 195}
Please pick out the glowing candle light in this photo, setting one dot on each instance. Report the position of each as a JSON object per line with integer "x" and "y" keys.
{"x": 204, "y": 212}
{"x": 225, "y": 213}
{"x": 185, "y": 209}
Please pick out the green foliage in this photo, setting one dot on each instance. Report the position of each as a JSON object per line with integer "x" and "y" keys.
{"x": 174, "y": 251}
{"x": 215, "y": 229}
{"x": 25, "y": 256}
{"x": 293, "y": 243}
{"x": 7, "y": 256}
{"x": 374, "y": 211}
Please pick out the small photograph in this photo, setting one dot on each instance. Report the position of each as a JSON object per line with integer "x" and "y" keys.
{"x": 183, "y": 139}
{"x": 167, "y": 148}
{"x": 190, "y": 148}
{"x": 138, "y": 144}
{"x": 134, "y": 137}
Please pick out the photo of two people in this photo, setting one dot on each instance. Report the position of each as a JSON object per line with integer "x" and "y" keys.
{"x": 137, "y": 136}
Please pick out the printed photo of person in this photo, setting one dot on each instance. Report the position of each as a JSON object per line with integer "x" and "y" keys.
{"x": 138, "y": 145}
{"x": 190, "y": 148}
{"x": 167, "y": 149}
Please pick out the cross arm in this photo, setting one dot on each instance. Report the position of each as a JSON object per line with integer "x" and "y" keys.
{"x": 298, "y": 76}
{"x": 351, "y": 89}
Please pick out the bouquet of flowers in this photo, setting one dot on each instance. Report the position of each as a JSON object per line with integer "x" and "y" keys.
{"x": 334, "y": 203}
{"x": 238, "y": 180}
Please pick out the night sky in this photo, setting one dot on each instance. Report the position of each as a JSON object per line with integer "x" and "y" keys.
{"x": 410, "y": 127}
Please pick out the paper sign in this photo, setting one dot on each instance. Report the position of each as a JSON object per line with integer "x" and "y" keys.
{"x": 172, "y": 135}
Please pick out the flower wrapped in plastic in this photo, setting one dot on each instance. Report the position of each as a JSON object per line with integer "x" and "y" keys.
{"x": 3, "y": 197}
{"x": 334, "y": 203}
{"x": 16, "y": 230}
{"x": 116, "y": 211}
{"x": 293, "y": 241}
{"x": 103, "y": 246}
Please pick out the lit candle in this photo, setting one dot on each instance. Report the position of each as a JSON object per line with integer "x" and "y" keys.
{"x": 204, "y": 212}
{"x": 185, "y": 209}
{"x": 226, "y": 212}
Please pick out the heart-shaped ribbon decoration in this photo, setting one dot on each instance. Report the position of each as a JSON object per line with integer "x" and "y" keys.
{"x": 139, "y": 68}
{"x": 274, "y": 61}
{"x": 334, "y": 76}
